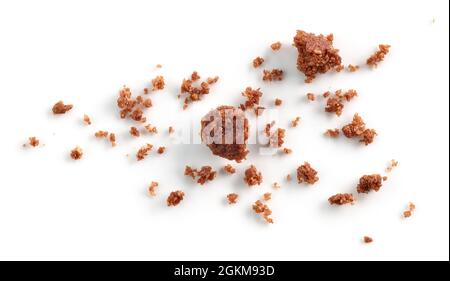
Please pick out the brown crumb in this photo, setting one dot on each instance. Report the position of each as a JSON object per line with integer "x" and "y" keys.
{"x": 287, "y": 150}
{"x": 276, "y": 185}
{"x": 268, "y": 127}
{"x": 411, "y": 208}
{"x": 132, "y": 107}
{"x": 263, "y": 209}
{"x": 134, "y": 132}
{"x": 278, "y": 102}
{"x": 257, "y": 62}
{"x": 151, "y": 129}
{"x": 350, "y": 94}
{"x": 334, "y": 105}
{"x": 368, "y": 183}
{"x": 229, "y": 169}
{"x": 333, "y": 133}
{"x": 101, "y": 134}
{"x": 288, "y": 177}
{"x": 272, "y": 75}
{"x": 158, "y": 83}
{"x": 253, "y": 176}
{"x": 158, "y": 66}
{"x": 367, "y": 239}
{"x": 385, "y": 178}
{"x": 276, "y": 46}
{"x": 252, "y": 96}
{"x": 341, "y": 199}
{"x": 316, "y": 54}
{"x": 232, "y": 198}
{"x": 171, "y": 130}
{"x": 352, "y": 68}
{"x": 212, "y": 80}
{"x": 305, "y": 173}
{"x": 378, "y": 56}
{"x": 339, "y": 68}
{"x": 152, "y": 188}
{"x": 76, "y": 153}
{"x": 87, "y": 120}
{"x": 225, "y": 131}
{"x": 195, "y": 76}
{"x": 161, "y": 150}
{"x": 392, "y": 164}
{"x": 295, "y": 122}
{"x": 33, "y": 141}
{"x": 112, "y": 139}
{"x": 267, "y": 196}
{"x": 175, "y": 198}
{"x": 326, "y": 94}
{"x": 61, "y": 108}
{"x": 357, "y": 128}
{"x": 310, "y": 96}
{"x": 143, "y": 151}
{"x": 147, "y": 103}
{"x": 206, "y": 173}
{"x": 145, "y": 91}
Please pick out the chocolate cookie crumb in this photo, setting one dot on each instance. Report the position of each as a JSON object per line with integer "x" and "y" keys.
{"x": 392, "y": 164}
{"x": 61, "y": 108}
{"x": 171, "y": 130}
{"x": 228, "y": 132}
{"x": 288, "y": 177}
{"x": 112, "y": 139}
{"x": 152, "y": 188}
{"x": 357, "y": 128}
{"x": 333, "y": 133}
{"x": 195, "y": 93}
{"x": 232, "y": 198}
{"x": 229, "y": 169}
{"x": 378, "y": 56}
{"x": 367, "y": 239}
{"x": 263, "y": 209}
{"x": 86, "y": 119}
{"x": 253, "y": 96}
{"x": 158, "y": 83}
{"x": 278, "y": 102}
{"x": 175, "y": 198}
{"x": 276, "y": 46}
{"x": 295, "y": 122}
{"x": 341, "y": 199}
{"x": 267, "y": 196}
{"x": 310, "y": 96}
{"x": 305, "y": 173}
{"x": 411, "y": 208}
{"x": 326, "y": 94}
{"x": 257, "y": 62}
{"x": 287, "y": 150}
{"x": 161, "y": 150}
{"x": 352, "y": 68}
{"x": 206, "y": 173}
{"x": 334, "y": 105}
{"x": 195, "y": 76}
{"x": 76, "y": 153}
{"x": 253, "y": 176}
{"x": 158, "y": 66}
{"x": 368, "y": 183}
{"x": 276, "y": 185}
{"x": 33, "y": 141}
{"x": 101, "y": 134}
{"x": 272, "y": 75}
{"x": 316, "y": 54}
{"x": 143, "y": 151}
{"x": 134, "y": 132}
{"x": 130, "y": 107}
{"x": 368, "y": 136}
{"x": 151, "y": 129}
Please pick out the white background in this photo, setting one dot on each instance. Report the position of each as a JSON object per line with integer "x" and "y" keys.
{"x": 83, "y": 51}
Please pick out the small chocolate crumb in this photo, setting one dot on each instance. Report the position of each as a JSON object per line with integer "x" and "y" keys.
{"x": 276, "y": 185}
{"x": 206, "y": 173}
{"x": 158, "y": 83}
{"x": 278, "y": 102}
{"x": 33, "y": 141}
{"x": 305, "y": 173}
{"x": 263, "y": 209}
{"x": 368, "y": 183}
{"x": 152, "y": 188}
{"x": 161, "y": 150}
{"x": 352, "y": 68}
{"x": 143, "y": 151}
{"x": 229, "y": 169}
{"x": 112, "y": 139}
{"x": 276, "y": 46}
{"x": 101, "y": 134}
{"x": 257, "y": 62}
{"x": 171, "y": 130}
{"x": 378, "y": 56}
{"x": 134, "y": 132}
{"x": 253, "y": 176}
{"x": 267, "y": 196}
{"x": 295, "y": 122}
{"x": 392, "y": 164}
{"x": 232, "y": 198}
{"x": 367, "y": 239}
{"x": 310, "y": 96}
{"x": 61, "y": 108}
{"x": 272, "y": 75}
{"x": 341, "y": 199}
{"x": 175, "y": 198}
{"x": 87, "y": 120}
{"x": 287, "y": 150}
{"x": 333, "y": 133}
{"x": 151, "y": 129}
{"x": 76, "y": 153}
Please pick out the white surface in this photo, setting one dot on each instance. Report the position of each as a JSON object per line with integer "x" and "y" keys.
{"x": 97, "y": 208}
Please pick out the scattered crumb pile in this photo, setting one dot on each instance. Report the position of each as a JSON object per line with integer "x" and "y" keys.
{"x": 274, "y": 74}
{"x": 378, "y": 56}
{"x": 263, "y": 210}
{"x": 191, "y": 92}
